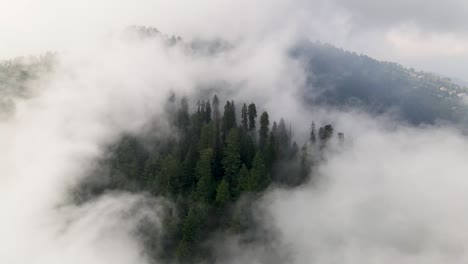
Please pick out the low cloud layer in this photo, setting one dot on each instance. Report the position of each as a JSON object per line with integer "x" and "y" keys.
{"x": 52, "y": 140}
{"x": 391, "y": 195}
{"x": 370, "y": 27}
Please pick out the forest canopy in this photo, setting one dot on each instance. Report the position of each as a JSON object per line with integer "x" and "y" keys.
{"x": 214, "y": 159}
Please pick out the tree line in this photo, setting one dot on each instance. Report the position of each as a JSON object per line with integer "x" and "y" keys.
{"x": 210, "y": 163}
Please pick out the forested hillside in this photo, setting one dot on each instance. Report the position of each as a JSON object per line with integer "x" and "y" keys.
{"x": 334, "y": 77}
{"x": 213, "y": 166}
{"x": 16, "y": 76}
{"x": 342, "y": 79}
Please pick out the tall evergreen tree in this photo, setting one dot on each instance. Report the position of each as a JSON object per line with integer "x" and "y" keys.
{"x": 203, "y": 171}
{"x": 245, "y": 118}
{"x": 252, "y": 113}
{"x": 183, "y": 117}
{"x": 231, "y": 161}
{"x": 222, "y": 193}
{"x": 258, "y": 178}
{"x": 229, "y": 117}
{"x": 283, "y": 138}
{"x": 216, "y": 111}
{"x": 171, "y": 175}
{"x": 263, "y": 131}
{"x": 207, "y": 115}
{"x": 313, "y": 137}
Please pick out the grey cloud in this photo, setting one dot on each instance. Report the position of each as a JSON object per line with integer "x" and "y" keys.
{"x": 446, "y": 16}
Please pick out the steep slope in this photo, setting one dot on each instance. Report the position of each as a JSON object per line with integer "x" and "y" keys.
{"x": 341, "y": 79}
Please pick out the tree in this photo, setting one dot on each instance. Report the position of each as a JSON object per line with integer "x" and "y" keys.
{"x": 183, "y": 117}
{"x": 171, "y": 175}
{"x": 229, "y": 117}
{"x": 190, "y": 233}
{"x": 128, "y": 162}
{"x": 242, "y": 180}
{"x": 263, "y": 131}
{"x": 313, "y": 137}
{"x": 245, "y": 118}
{"x": 207, "y": 137}
{"x": 283, "y": 138}
{"x": 207, "y": 113}
{"x": 231, "y": 161}
{"x": 271, "y": 150}
{"x": 222, "y": 193}
{"x": 216, "y": 111}
{"x": 252, "y": 113}
{"x": 325, "y": 134}
{"x": 203, "y": 171}
{"x": 304, "y": 163}
{"x": 258, "y": 178}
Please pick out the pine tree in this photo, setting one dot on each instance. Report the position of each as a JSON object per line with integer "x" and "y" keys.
{"x": 283, "y": 138}
{"x": 252, "y": 113}
{"x": 183, "y": 117}
{"x": 190, "y": 233}
{"x": 207, "y": 115}
{"x": 258, "y": 178}
{"x": 171, "y": 175}
{"x": 231, "y": 161}
{"x": 271, "y": 150}
{"x": 263, "y": 131}
{"x": 305, "y": 163}
{"x": 229, "y": 117}
{"x": 203, "y": 171}
{"x": 245, "y": 118}
{"x": 207, "y": 137}
{"x": 216, "y": 111}
{"x": 313, "y": 137}
{"x": 222, "y": 193}
{"x": 241, "y": 183}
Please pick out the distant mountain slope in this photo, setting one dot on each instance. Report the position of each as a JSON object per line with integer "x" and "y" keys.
{"x": 16, "y": 74}
{"x": 340, "y": 78}
{"x": 335, "y": 78}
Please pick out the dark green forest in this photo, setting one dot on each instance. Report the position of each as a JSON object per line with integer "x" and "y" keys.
{"x": 215, "y": 159}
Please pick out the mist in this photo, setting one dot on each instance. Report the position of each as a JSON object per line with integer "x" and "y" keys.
{"x": 392, "y": 193}
{"x": 404, "y": 203}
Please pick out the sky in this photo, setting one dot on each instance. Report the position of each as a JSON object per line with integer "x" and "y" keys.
{"x": 428, "y": 35}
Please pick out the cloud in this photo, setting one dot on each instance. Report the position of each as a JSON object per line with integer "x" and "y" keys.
{"x": 392, "y": 195}
{"x": 395, "y": 193}
{"x": 114, "y": 85}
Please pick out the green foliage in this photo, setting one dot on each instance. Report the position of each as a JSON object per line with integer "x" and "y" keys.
{"x": 231, "y": 161}
{"x": 222, "y": 193}
{"x": 206, "y": 168}
{"x": 252, "y": 113}
{"x": 263, "y": 131}
{"x": 229, "y": 117}
{"x": 258, "y": 178}
{"x": 203, "y": 171}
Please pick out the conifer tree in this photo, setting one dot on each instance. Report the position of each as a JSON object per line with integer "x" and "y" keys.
{"x": 258, "y": 178}
{"x": 313, "y": 137}
{"x": 207, "y": 115}
{"x": 263, "y": 131}
{"x": 244, "y": 118}
{"x": 229, "y": 117}
{"x": 252, "y": 113}
{"x": 222, "y": 193}
{"x": 231, "y": 161}
{"x": 283, "y": 138}
{"x": 216, "y": 111}
{"x": 203, "y": 171}
{"x": 241, "y": 183}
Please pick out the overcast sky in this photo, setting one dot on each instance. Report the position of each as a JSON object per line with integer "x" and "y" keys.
{"x": 426, "y": 34}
